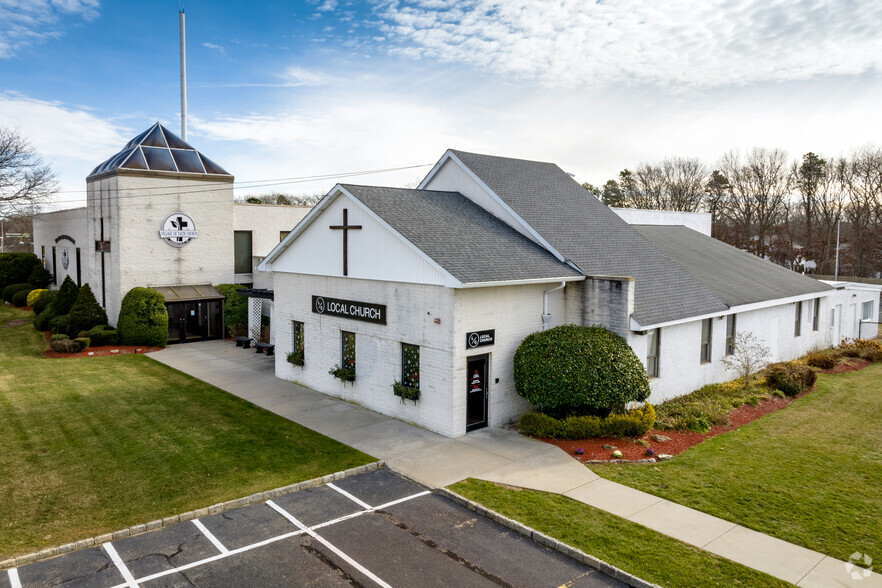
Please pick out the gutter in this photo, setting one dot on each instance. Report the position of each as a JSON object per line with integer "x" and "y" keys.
{"x": 545, "y": 316}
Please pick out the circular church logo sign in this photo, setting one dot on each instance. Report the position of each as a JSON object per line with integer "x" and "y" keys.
{"x": 178, "y": 230}
{"x": 320, "y": 305}
{"x": 65, "y": 258}
{"x": 473, "y": 340}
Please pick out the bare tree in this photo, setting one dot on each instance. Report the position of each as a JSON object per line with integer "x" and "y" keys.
{"x": 862, "y": 178}
{"x": 684, "y": 182}
{"x": 25, "y": 181}
{"x": 749, "y": 357}
{"x": 829, "y": 203}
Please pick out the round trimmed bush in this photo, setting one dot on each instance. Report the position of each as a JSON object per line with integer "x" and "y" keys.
{"x": 59, "y": 324}
{"x": 143, "y": 318}
{"x": 41, "y": 323}
{"x": 33, "y": 295}
{"x": 40, "y": 277}
{"x": 15, "y": 268}
{"x": 86, "y": 312}
{"x": 103, "y": 335}
{"x": 20, "y": 298}
{"x": 573, "y": 370}
{"x": 13, "y": 289}
{"x": 44, "y": 300}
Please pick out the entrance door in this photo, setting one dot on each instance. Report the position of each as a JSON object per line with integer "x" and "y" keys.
{"x": 194, "y": 321}
{"x": 476, "y": 392}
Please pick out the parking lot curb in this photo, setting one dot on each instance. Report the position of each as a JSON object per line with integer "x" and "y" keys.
{"x": 186, "y": 516}
{"x": 550, "y": 542}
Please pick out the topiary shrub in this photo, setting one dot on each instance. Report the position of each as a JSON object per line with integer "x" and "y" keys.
{"x": 790, "y": 378}
{"x": 103, "y": 335}
{"x": 86, "y": 312}
{"x": 40, "y": 277}
{"x": 13, "y": 289}
{"x": 15, "y": 268}
{"x": 59, "y": 324}
{"x": 578, "y": 370}
{"x": 33, "y": 295}
{"x": 67, "y": 296}
{"x": 20, "y": 298}
{"x": 235, "y": 308}
{"x": 631, "y": 424}
{"x": 821, "y": 360}
{"x": 43, "y": 300}
{"x": 41, "y": 323}
{"x": 143, "y": 318}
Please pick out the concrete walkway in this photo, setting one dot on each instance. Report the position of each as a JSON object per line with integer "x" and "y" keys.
{"x": 498, "y": 455}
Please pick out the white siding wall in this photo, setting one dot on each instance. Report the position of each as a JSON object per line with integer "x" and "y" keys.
{"x": 50, "y": 226}
{"x": 266, "y": 222}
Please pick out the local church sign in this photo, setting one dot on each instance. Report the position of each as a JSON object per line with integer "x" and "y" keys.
{"x": 480, "y": 338}
{"x": 178, "y": 230}
{"x": 351, "y": 309}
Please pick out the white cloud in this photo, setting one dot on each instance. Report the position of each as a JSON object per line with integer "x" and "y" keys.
{"x": 327, "y": 6}
{"x": 579, "y": 43}
{"x": 23, "y": 22}
{"x": 218, "y": 48}
{"x": 299, "y": 76}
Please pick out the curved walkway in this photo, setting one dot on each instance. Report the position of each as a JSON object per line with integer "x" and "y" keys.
{"x": 497, "y": 455}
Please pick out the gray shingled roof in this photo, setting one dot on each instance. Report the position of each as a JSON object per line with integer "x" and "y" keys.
{"x": 463, "y": 238}
{"x": 593, "y": 237}
{"x": 735, "y": 276}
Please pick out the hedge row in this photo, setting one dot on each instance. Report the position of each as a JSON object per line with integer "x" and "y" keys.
{"x": 634, "y": 423}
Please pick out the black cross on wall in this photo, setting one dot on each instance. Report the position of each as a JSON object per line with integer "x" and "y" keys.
{"x": 345, "y": 227}
{"x": 180, "y": 225}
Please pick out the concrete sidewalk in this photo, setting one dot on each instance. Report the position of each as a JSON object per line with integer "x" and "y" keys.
{"x": 501, "y": 456}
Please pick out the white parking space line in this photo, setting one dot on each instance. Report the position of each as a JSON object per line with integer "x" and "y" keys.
{"x": 208, "y": 535}
{"x": 349, "y": 496}
{"x": 118, "y": 562}
{"x": 328, "y": 544}
{"x": 13, "y": 578}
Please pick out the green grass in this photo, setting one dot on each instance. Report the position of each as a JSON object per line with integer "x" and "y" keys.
{"x": 93, "y": 445}
{"x": 631, "y": 547}
{"x": 810, "y": 474}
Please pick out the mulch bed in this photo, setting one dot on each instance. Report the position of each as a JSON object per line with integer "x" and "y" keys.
{"x": 98, "y": 351}
{"x": 683, "y": 440}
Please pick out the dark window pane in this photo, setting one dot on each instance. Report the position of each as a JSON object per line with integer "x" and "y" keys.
{"x": 155, "y": 138}
{"x": 410, "y": 365}
{"x": 174, "y": 141}
{"x": 137, "y": 140}
{"x": 159, "y": 159}
{"x": 348, "y": 350}
{"x": 187, "y": 161}
{"x": 242, "y": 252}
{"x": 211, "y": 167}
{"x": 136, "y": 161}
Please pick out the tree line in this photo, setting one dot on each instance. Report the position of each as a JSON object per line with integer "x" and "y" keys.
{"x": 766, "y": 203}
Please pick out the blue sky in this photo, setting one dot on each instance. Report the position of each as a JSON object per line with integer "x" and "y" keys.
{"x": 293, "y": 89}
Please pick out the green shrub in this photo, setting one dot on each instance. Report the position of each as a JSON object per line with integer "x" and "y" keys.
{"x": 13, "y": 289}
{"x": 631, "y": 424}
{"x": 67, "y": 296}
{"x": 235, "y": 307}
{"x": 86, "y": 312}
{"x": 33, "y": 295}
{"x": 790, "y": 378}
{"x": 59, "y": 324}
{"x": 143, "y": 318}
{"x": 83, "y": 342}
{"x": 708, "y": 406}
{"x": 405, "y": 392}
{"x": 41, "y": 323}
{"x": 58, "y": 337}
{"x": 578, "y": 370}
{"x": 43, "y": 300}
{"x": 103, "y": 335}
{"x": 821, "y": 360}
{"x": 40, "y": 277}
{"x": 69, "y": 345}
{"x": 870, "y": 354}
{"x": 20, "y": 298}
{"x": 15, "y": 268}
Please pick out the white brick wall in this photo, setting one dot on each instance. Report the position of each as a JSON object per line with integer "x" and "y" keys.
{"x": 48, "y": 227}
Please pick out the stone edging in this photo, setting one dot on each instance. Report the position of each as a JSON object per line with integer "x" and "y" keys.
{"x": 187, "y": 516}
{"x": 550, "y": 542}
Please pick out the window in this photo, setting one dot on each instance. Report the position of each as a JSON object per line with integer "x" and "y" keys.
{"x": 410, "y": 366}
{"x": 797, "y": 325}
{"x": 282, "y": 235}
{"x": 707, "y": 329}
{"x": 730, "y": 334}
{"x": 652, "y": 346}
{"x": 297, "y": 346}
{"x": 242, "y": 252}
{"x": 348, "y": 351}
{"x": 816, "y": 314}
{"x": 867, "y": 310}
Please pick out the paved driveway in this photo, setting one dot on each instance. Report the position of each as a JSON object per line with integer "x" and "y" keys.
{"x": 374, "y": 529}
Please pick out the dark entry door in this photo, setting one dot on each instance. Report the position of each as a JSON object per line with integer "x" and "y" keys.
{"x": 193, "y": 321}
{"x": 476, "y": 392}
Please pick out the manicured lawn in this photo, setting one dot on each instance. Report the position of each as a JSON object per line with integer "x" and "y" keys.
{"x": 810, "y": 474}
{"x": 93, "y": 445}
{"x": 626, "y": 545}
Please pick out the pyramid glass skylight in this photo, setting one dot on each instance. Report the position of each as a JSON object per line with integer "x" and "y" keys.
{"x": 158, "y": 149}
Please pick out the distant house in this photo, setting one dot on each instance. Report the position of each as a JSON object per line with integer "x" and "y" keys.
{"x": 435, "y": 287}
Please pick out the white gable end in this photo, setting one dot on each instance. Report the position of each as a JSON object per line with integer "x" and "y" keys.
{"x": 375, "y": 251}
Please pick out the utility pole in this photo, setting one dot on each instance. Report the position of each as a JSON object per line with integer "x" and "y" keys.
{"x": 183, "y": 76}
{"x": 836, "y": 270}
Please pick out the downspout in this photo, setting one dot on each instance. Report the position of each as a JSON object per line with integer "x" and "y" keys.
{"x": 545, "y": 316}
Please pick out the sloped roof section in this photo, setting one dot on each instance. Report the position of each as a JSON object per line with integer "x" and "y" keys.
{"x": 735, "y": 276}
{"x": 589, "y": 234}
{"x": 159, "y": 150}
{"x": 470, "y": 243}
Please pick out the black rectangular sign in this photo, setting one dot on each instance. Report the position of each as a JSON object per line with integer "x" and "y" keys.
{"x": 480, "y": 338}
{"x": 359, "y": 311}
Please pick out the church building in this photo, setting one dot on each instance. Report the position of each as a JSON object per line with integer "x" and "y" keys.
{"x": 434, "y": 288}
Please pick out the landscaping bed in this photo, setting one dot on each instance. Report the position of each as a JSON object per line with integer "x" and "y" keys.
{"x": 94, "y": 351}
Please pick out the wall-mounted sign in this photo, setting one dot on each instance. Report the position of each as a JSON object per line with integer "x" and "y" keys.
{"x": 480, "y": 338}
{"x": 178, "y": 230}
{"x": 351, "y": 309}
{"x": 65, "y": 258}
{"x": 102, "y": 246}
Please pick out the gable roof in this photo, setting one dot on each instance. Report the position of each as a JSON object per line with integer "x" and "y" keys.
{"x": 594, "y": 238}
{"x": 159, "y": 150}
{"x": 735, "y": 276}
{"x": 471, "y": 244}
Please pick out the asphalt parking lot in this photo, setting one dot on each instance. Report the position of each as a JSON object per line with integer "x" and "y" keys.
{"x": 367, "y": 530}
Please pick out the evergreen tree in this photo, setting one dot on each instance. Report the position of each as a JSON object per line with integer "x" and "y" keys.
{"x": 86, "y": 312}
{"x": 67, "y": 296}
